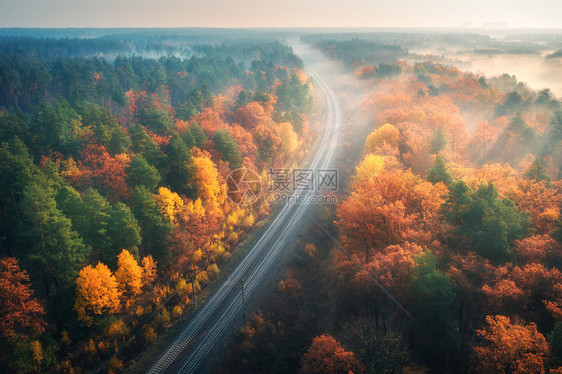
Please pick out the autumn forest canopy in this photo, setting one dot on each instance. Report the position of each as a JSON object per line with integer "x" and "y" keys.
{"x": 443, "y": 254}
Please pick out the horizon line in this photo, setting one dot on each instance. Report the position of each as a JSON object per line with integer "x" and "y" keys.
{"x": 495, "y": 28}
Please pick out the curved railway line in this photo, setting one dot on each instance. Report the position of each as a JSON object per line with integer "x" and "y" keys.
{"x": 187, "y": 352}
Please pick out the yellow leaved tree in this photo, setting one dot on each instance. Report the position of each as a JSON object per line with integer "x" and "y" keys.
{"x": 386, "y": 135}
{"x": 148, "y": 270}
{"x": 369, "y": 167}
{"x": 129, "y": 274}
{"x": 209, "y": 187}
{"x": 97, "y": 293}
{"x": 169, "y": 203}
{"x": 289, "y": 138}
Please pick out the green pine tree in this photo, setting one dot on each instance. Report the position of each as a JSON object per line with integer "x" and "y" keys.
{"x": 228, "y": 148}
{"x": 439, "y": 172}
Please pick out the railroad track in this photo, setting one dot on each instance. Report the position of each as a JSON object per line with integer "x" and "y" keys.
{"x": 186, "y": 353}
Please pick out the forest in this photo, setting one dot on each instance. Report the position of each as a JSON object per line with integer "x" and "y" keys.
{"x": 442, "y": 255}
{"x": 113, "y": 186}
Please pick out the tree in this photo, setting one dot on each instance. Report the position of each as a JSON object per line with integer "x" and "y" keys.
{"x": 152, "y": 117}
{"x": 92, "y": 223}
{"x": 490, "y": 223}
{"x": 545, "y": 97}
{"x": 57, "y": 127}
{"x": 143, "y": 144}
{"x": 228, "y": 148}
{"x": 129, "y": 274}
{"x": 532, "y": 291}
{"x": 253, "y": 115}
{"x": 513, "y": 101}
{"x": 388, "y": 208}
{"x": 198, "y": 134}
{"x": 255, "y": 348}
{"x": 100, "y": 119}
{"x": 387, "y": 134}
{"x": 120, "y": 142}
{"x": 327, "y": 356}
{"x": 53, "y": 250}
{"x": 438, "y": 141}
{"x": 379, "y": 353}
{"x": 123, "y": 230}
{"x": 170, "y": 204}
{"x": 105, "y": 228}
{"x": 185, "y": 133}
{"x": 97, "y": 293}
{"x": 17, "y": 170}
{"x": 210, "y": 121}
{"x": 391, "y": 268}
{"x": 37, "y": 354}
{"x": 20, "y": 310}
{"x": 366, "y": 72}
{"x": 155, "y": 229}
{"x": 209, "y": 187}
{"x": 70, "y": 204}
{"x": 289, "y": 138}
{"x": 141, "y": 173}
{"x": 557, "y": 232}
{"x": 385, "y": 69}
{"x": 245, "y": 142}
{"x": 13, "y": 125}
{"x": 243, "y": 99}
{"x": 179, "y": 173}
{"x": 555, "y": 339}
{"x": 540, "y": 199}
{"x": 26, "y": 355}
{"x": 369, "y": 167}
{"x": 439, "y": 172}
{"x": 537, "y": 171}
{"x": 294, "y": 98}
{"x": 555, "y": 130}
{"x": 468, "y": 274}
{"x": 509, "y": 348}
{"x": 108, "y": 172}
{"x": 521, "y": 129}
{"x": 433, "y": 297}
{"x": 148, "y": 270}
{"x": 538, "y": 249}
{"x": 267, "y": 142}
{"x": 542, "y": 288}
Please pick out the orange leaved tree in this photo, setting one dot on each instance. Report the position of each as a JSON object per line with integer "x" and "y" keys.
{"x": 327, "y": 356}
{"x": 97, "y": 293}
{"x": 387, "y": 209}
{"x": 509, "y": 348}
{"x": 19, "y": 309}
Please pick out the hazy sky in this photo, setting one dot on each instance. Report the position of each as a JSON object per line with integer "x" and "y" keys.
{"x": 279, "y": 13}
